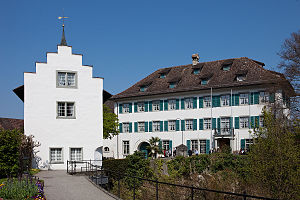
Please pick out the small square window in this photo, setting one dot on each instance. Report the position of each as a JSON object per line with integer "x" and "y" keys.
{"x": 226, "y": 67}
{"x": 66, "y": 79}
{"x": 173, "y": 85}
{"x": 56, "y": 155}
{"x": 76, "y": 154}
{"x": 204, "y": 81}
{"x": 65, "y": 110}
{"x": 241, "y": 77}
{"x": 162, "y": 75}
{"x": 196, "y": 71}
{"x": 143, "y": 88}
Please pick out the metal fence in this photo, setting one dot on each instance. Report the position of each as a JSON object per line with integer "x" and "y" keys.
{"x": 117, "y": 183}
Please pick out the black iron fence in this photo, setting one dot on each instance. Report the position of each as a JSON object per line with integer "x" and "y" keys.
{"x": 127, "y": 186}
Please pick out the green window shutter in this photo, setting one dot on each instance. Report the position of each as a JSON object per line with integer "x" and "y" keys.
{"x": 219, "y": 124}
{"x": 237, "y": 122}
{"x": 135, "y": 107}
{"x": 256, "y": 97}
{"x": 177, "y": 104}
{"x": 200, "y": 124}
{"x": 177, "y": 125}
{"x": 195, "y": 124}
{"x": 150, "y": 106}
{"x": 166, "y": 126}
{"x": 161, "y": 105}
{"x": 182, "y": 104}
{"x": 150, "y": 126}
{"x": 237, "y": 99}
{"x": 230, "y": 104}
{"x": 182, "y": 125}
{"x": 200, "y": 102}
{"x": 256, "y": 121}
{"x": 214, "y": 126}
{"x": 130, "y": 127}
{"x": 146, "y": 126}
{"x": 230, "y": 123}
{"x": 135, "y": 127}
{"x": 252, "y": 122}
{"x": 146, "y": 106}
{"x": 251, "y": 98}
{"x": 120, "y": 128}
{"x": 232, "y": 100}
{"x": 213, "y": 101}
{"x": 216, "y": 102}
{"x": 160, "y": 145}
{"x": 188, "y": 144}
{"x": 243, "y": 144}
{"x": 218, "y": 98}
{"x": 165, "y": 104}
{"x": 161, "y": 126}
{"x": 207, "y": 146}
{"x": 194, "y": 102}
{"x": 170, "y": 145}
{"x": 120, "y": 108}
{"x": 272, "y": 97}
{"x": 130, "y": 107}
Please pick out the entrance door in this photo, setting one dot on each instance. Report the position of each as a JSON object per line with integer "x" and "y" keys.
{"x": 143, "y": 148}
{"x": 223, "y": 144}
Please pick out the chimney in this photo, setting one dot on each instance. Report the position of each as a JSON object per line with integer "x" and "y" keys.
{"x": 195, "y": 58}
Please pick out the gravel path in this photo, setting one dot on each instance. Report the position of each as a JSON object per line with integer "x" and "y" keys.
{"x": 61, "y": 186}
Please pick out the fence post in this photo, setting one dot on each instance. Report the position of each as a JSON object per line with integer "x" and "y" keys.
{"x": 244, "y": 193}
{"x": 156, "y": 187}
{"x": 67, "y": 166}
{"x": 192, "y": 193}
{"x": 133, "y": 188}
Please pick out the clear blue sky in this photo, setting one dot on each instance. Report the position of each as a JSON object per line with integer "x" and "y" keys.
{"x": 127, "y": 40}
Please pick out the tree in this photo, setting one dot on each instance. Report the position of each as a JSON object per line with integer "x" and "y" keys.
{"x": 274, "y": 158}
{"x": 154, "y": 148}
{"x": 110, "y": 123}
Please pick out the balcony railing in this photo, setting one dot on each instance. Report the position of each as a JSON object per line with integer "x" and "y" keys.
{"x": 223, "y": 132}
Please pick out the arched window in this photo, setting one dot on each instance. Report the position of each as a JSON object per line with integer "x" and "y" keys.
{"x": 106, "y": 149}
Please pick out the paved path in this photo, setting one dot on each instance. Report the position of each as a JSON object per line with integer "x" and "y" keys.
{"x": 61, "y": 186}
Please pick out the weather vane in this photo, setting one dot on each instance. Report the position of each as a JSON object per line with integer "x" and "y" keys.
{"x": 63, "y": 18}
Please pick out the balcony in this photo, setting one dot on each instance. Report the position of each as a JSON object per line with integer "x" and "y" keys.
{"x": 224, "y": 132}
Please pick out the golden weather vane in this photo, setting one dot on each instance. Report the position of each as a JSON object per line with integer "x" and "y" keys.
{"x": 63, "y": 18}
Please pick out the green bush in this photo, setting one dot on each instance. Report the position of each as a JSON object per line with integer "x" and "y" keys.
{"x": 18, "y": 190}
{"x": 116, "y": 165}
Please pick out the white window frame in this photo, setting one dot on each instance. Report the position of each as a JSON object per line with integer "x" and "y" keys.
{"x": 172, "y": 125}
{"x": 244, "y": 122}
{"x": 225, "y": 100}
{"x": 65, "y": 108}
{"x": 264, "y": 97}
{"x": 156, "y": 105}
{"x": 126, "y": 108}
{"x": 207, "y": 123}
{"x": 202, "y": 144}
{"x": 225, "y": 125}
{"x": 77, "y": 156}
{"x": 189, "y": 124}
{"x": 141, "y": 127}
{"x": 141, "y": 107}
{"x": 248, "y": 142}
{"x": 172, "y": 104}
{"x": 261, "y": 121}
{"x": 66, "y": 80}
{"x": 207, "y": 102}
{"x": 166, "y": 145}
{"x": 126, "y": 147}
{"x": 156, "y": 126}
{"x": 194, "y": 145}
{"x": 56, "y": 161}
{"x": 244, "y": 99}
{"x": 125, "y": 127}
{"x": 188, "y": 103}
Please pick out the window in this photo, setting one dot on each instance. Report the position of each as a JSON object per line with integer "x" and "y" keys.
{"x": 194, "y": 145}
{"x": 225, "y": 99}
{"x": 143, "y": 88}
{"x": 125, "y": 147}
{"x": 248, "y": 143}
{"x": 163, "y": 75}
{"x": 76, "y": 154}
{"x": 156, "y": 106}
{"x": 126, "y": 108}
{"x": 244, "y": 122}
{"x": 56, "y": 155}
{"x": 141, "y": 127}
{"x": 244, "y": 99}
{"x": 189, "y": 124}
{"x": 126, "y": 127}
{"x": 202, "y": 146}
{"x": 172, "y": 125}
{"x": 65, "y": 109}
{"x": 166, "y": 145}
{"x": 207, "y": 102}
{"x": 188, "y": 102}
{"x": 225, "y": 125}
{"x": 66, "y": 79}
{"x": 204, "y": 81}
{"x": 196, "y": 71}
{"x": 172, "y": 85}
{"x": 172, "y": 104}
{"x": 241, "y": 77}
{"x": 264, "y": 97}
{"x": 141, "y": 107}
{"x": 156, "y": 126}
{"x": 207, "y": 123}
{"x": 106, "y": 149}
{"x": 226, "y": 67}
{"x": 261, "y": 121}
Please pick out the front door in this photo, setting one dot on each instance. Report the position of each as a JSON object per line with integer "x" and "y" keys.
{"x": 223, "y": 143}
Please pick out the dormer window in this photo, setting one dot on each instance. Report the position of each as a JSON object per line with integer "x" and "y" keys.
{"x": 172, "y": 84}
{"x": 241, "y": 77}
{"x": 204, "y": 81}
{"x": 226, "y": 67}
{"x": 163, "y": 75}
{"x": 143, "y": 88}
{"x": 196, "y": 71}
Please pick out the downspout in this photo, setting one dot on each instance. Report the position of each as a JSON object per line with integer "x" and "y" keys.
{"x": 118, "y": 134}
{"x": 211, "y": 119}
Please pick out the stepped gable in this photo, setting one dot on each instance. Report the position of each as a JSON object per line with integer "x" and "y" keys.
{"x": 217, "y": 78}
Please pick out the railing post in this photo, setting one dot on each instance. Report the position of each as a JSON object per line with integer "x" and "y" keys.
{"x": 156, "y": 187}
{"x": 133, "y": 188}
{"x": 67, "y": 166}
{"x": 192, "y": 193}
{"x": 244, "y": 193}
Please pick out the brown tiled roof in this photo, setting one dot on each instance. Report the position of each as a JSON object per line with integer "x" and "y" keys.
{"x": 9, "y": 124}
{"x": 188, "y": 81}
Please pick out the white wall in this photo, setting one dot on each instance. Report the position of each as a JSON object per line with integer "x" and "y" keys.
{"x": 40, "y": 107}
